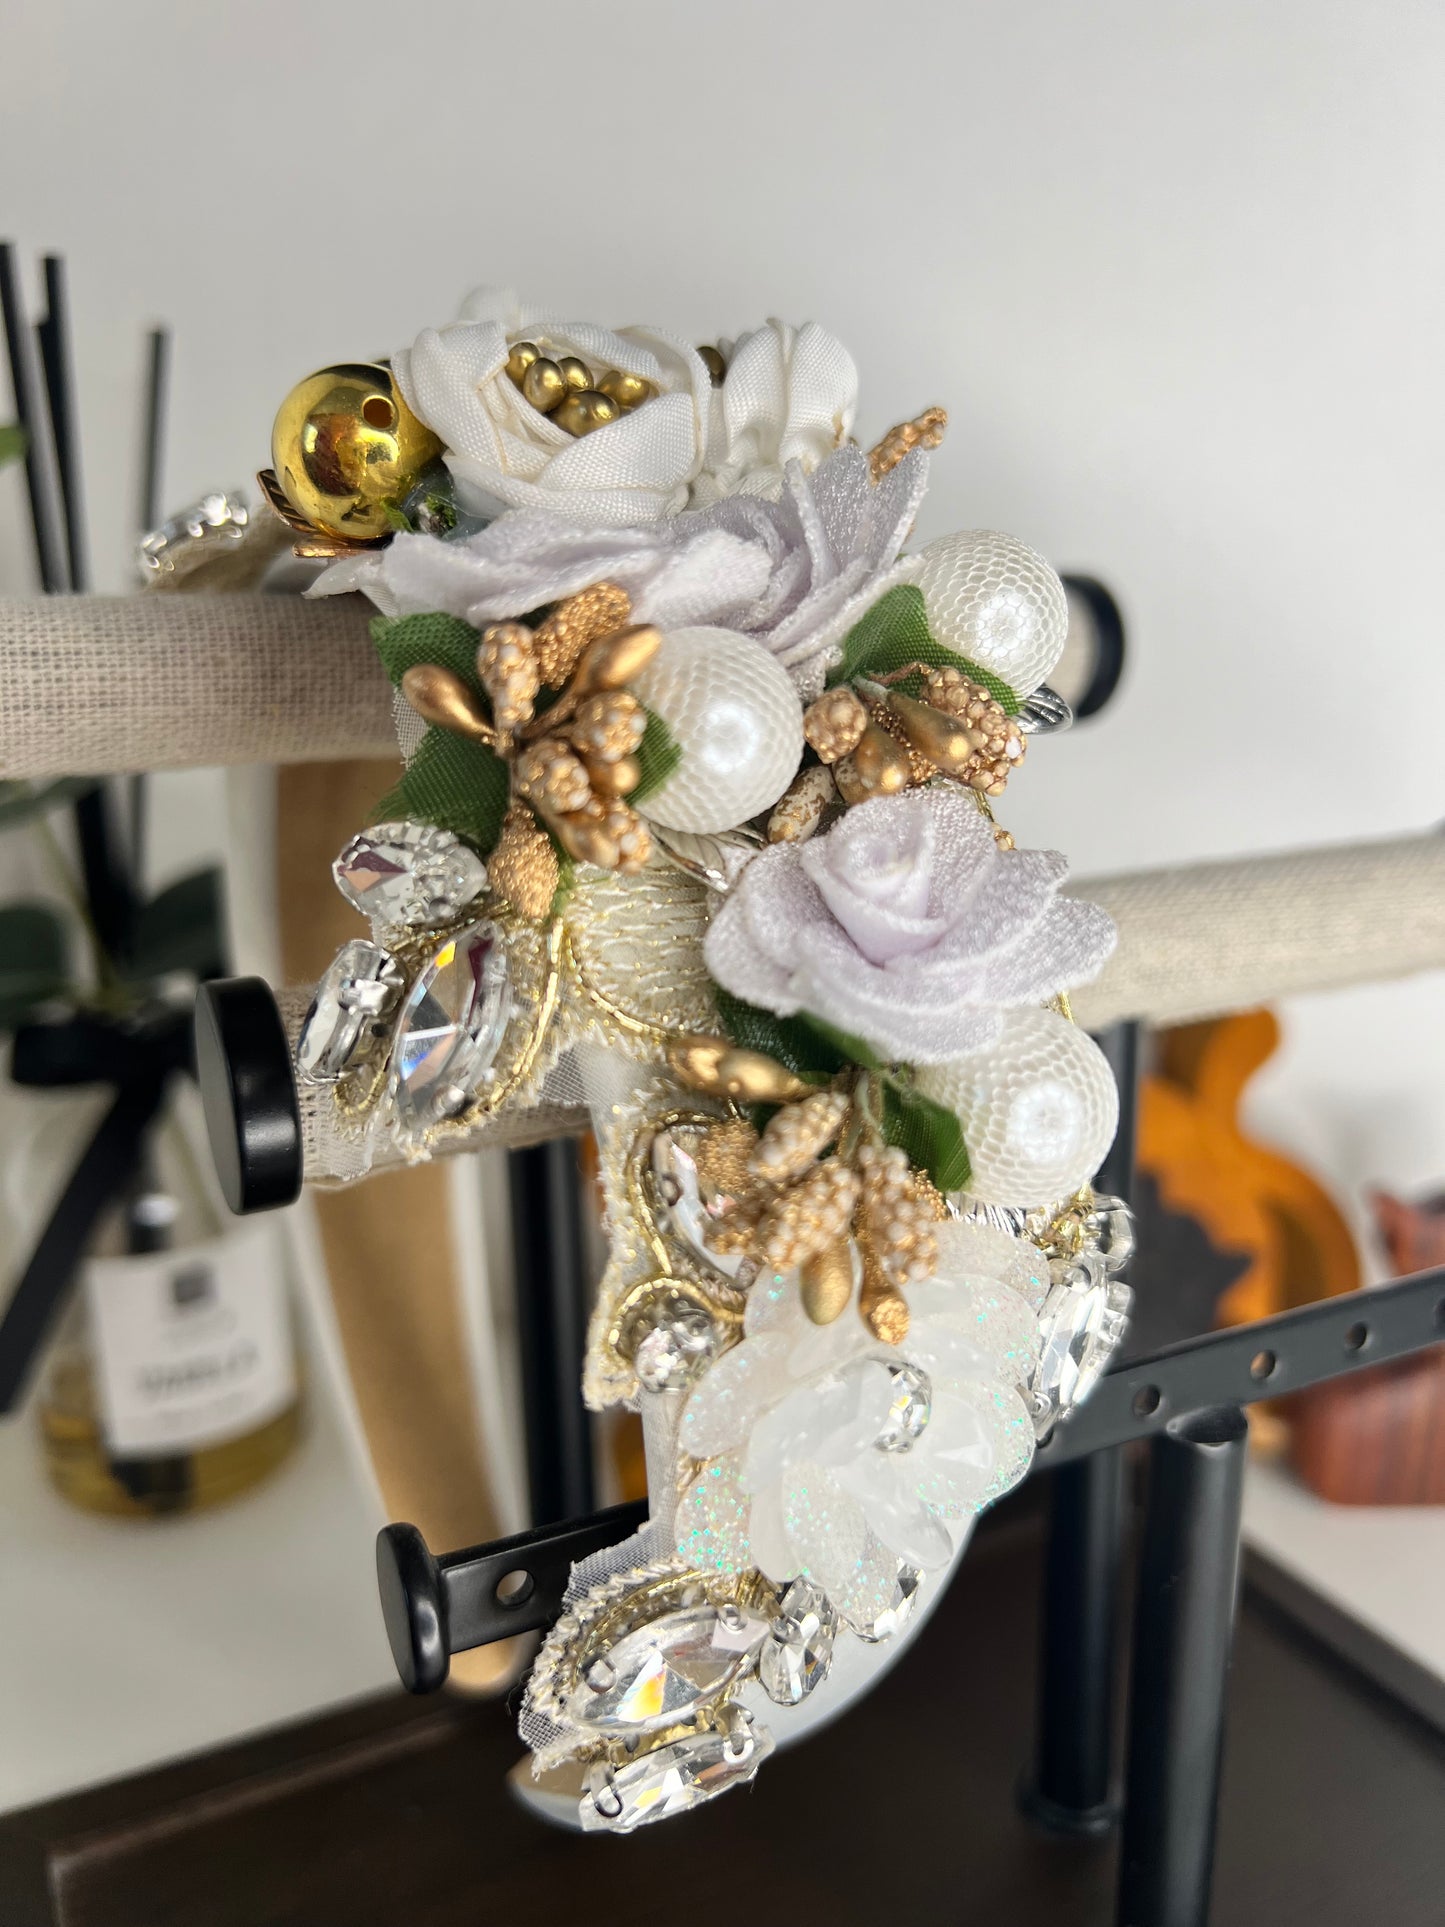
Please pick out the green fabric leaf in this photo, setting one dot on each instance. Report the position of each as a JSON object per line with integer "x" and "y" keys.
{"x": 895, "y": 631}
{"x": 12, "y": 443}
{"x": 931, "y": 1136}
{"x": 32, "y": 959}
{"x": 181, "y": 929}
{"x": 454, "y": 782}
{"x": 659, "y": 754}
{"x": 404, "y": 641}
{"x": 792, "y": 1041}
{"x": 852, "y": 1050}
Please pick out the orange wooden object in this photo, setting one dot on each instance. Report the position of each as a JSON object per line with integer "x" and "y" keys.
{"x": 1250, "y": 1200}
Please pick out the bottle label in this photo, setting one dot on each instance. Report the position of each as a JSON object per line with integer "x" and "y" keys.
{"x": 193, "y": 1346}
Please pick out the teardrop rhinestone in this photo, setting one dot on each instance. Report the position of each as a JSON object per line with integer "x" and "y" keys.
{"x": 450, "y": 1029}
{"x": 675, "y": 1777}
{"x": 410, "y": 875}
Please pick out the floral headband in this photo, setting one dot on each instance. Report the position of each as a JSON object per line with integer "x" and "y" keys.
{"x": 696, "y": 823}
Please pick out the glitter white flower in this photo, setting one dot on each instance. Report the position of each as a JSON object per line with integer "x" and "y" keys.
{"x": 831, "y": 1454}
{"x": 905, "y": 926}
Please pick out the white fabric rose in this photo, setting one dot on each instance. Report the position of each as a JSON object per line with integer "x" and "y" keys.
{"x": 906, "y": 926}
{"x": 789, "y": 395}
{"x": 504, "y": 453}
{"x": 831, "y": 1454}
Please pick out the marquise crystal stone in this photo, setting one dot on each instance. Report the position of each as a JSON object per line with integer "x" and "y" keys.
{"x": 683, "y": 1209}
{"x": 1084, "y": 1317}
{"x": 895, "y": 1615}
{"x": 798, "y": 1652}
{"x": 450, "y": 1029}
{"x": 358, "y": 991}
{"x": 661, "y": 1673}
{"x": 410, "y": 875}
{"x": 1111, "y": 1229}
{"x": 675, "y": 1777}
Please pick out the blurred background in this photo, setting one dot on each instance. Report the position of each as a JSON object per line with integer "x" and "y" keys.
{"x": 1176, "y": 273}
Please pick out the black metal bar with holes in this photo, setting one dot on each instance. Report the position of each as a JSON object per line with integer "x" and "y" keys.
{"x": 436, "y": 1606}
{"x": 1071, "y": 1787}
{"x": 1183, "y": 1633}
{"x": 1249, "y": 1362}
{"x": 1307, "y": 1346}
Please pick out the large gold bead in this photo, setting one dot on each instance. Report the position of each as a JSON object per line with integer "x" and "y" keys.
{"x": 579, "y": 414}
{"x": 345, "y": 445}
{"x": 523, "y": 354}
{"x": 544, "y": 385}
{"x": 628, "y": 391}
{"x": 576, "y": 374}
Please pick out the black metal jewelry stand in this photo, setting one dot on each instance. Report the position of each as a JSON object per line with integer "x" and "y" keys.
{"x": 1186, "y": 1401}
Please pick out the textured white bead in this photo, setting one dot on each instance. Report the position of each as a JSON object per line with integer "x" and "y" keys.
{"x": 1038, "y": 1108}
{"x": 735, "y": 715}
{"x": 992, "y": 599}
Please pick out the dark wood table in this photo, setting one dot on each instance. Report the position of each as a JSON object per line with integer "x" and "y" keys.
{"x": 393, "y": 1813}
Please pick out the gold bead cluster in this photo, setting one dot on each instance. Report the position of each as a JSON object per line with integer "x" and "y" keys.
{"x": 573, "y": 762}
{"x": 879, "y": 741}
{"x": 566, "y": 390}
{"x": 790, "y": 1204}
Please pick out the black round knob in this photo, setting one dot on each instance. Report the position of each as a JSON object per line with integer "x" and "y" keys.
{"x": 248, "y": 1090}
{"x": 414, "y": 1606}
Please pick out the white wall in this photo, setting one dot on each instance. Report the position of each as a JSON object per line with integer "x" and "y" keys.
{"x": 1175, "y": 270}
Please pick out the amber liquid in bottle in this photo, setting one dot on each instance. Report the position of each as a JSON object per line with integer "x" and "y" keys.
{"x": 80, "y": 1462}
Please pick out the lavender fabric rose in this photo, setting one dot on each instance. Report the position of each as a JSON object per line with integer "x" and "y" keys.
{"x": 907, "y": 927}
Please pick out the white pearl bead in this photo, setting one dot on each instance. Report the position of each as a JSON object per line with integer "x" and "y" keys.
{"x": 1038, "y": 1107}
{"x": 992, "y": 599}
{"x": 736, "y": 717}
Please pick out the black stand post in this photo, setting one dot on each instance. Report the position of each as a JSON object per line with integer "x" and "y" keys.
{"x": 550, "y": 1269}
{"x": 1072, "y": 1788}
{"x": 1183, "y": 1628}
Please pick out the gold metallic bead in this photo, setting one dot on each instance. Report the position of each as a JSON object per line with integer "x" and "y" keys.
{"x": 442, "y": 698}
{"x": 523, "y": 354}
{"x": 576, "y": 374}
{"x": 715, "y": 365}
{"x": 716, "y": 1067}
{"x": 827, "y": 1282}
{"x": 880, "y": 1303}
{"x": 943, "y": 739}
{"x": 615, "y": 661}
{"x": 878, "y": 766}
{"x": 544, "y": 385}
{"x": 628, "y": 391}
{"x": 580, "y": 413}
{"x": 586, "y": 839}
{"x": 617, "y": 778}
{"x": 344, "y": 445}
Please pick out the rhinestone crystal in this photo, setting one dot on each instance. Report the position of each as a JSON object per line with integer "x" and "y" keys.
{"x": 682, "y": 1209}
{"x": 358, "y": 990}
{"x": 661, "y": 1673}
{"x": 1084, "y": 1317}
{"x": 409, "y": 875}
{"x": 1111, "y": 1227}
{"x": 890, "y": 1622}
{"x": 674, "y": 1777}
{"x": 671, "y": 1339}
{"x": 450, "y": 1029}
{"x": 910, "y": 1410}
{"x": 798, "y": 1651}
